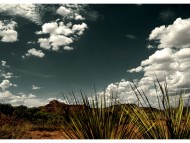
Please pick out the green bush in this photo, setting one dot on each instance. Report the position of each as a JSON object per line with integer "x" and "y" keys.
{"x": 6, "y": 109}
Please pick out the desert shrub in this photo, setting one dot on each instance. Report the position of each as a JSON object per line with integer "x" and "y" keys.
{"x": 20, "y": 112}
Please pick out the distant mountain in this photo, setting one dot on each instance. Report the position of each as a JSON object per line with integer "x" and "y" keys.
{"x": 55, "y": 106}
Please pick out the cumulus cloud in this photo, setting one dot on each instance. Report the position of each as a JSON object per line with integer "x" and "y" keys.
{"x": 35, "y": 87}
{"x": 63, "y": 32}
{"x": 175, "y": 35}
{"x": 120, "y": 91}
{"x": 49, "y": 27}
{"x": 63, "y": 11}
{"x": 5, "y": 84}
{"x": 34, "y": 52}
{"x": 44, "y": 43}
{"x": 59, "y": 40}
{"x": 79, "y": 28}
{"x": 59, "y": 34}
{"x": 170, "y": 62}
{"x": 28, "y": 11}
{"x": 7, "y": 31}
{"x": 78, "y": 17}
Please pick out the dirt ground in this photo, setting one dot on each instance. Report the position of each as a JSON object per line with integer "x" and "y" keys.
{"x": 44, "y": 135}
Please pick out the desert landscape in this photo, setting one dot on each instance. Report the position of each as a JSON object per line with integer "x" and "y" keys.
{"x": 94, "y": 71}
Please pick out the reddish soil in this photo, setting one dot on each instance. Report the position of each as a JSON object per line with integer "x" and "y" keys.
{"x": 44, "y": 135}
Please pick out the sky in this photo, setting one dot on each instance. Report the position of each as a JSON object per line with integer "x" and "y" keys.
{"x": 47, "y": 49}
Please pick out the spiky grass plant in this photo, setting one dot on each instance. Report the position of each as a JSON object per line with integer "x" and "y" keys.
{"x": 169, "y": 123}
{"x": 99, "y": 120}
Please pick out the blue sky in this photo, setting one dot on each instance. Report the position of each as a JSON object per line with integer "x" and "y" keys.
{"x": 49, "y": 49}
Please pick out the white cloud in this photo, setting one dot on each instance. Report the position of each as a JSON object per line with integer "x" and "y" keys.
{"x": 44, "y": 43}
{"x": 5, "y": 84}
{"x": 145, "y": 62}
{"x": 59, "y": 35}
{"x": 68, "y": 48}
{"x": 7, "y": 31}
{"x": 35, "y": 87}
{"x": 175, "y": 35}
{"x": 150, "y": 47}
{"x": 29, "y": 100}
{"x": 59, "y": 40}
{"x": 8, "y": 36}
{"x": 31, "y": 95}
{"x": 49, "y": 27}
{"x": 64, "y": 30}
{"x": 156, "y": 33}
{"x": 72, "y": 11}
{"x": 3, "y": 63}
{"x": 34, "y": 52}
{"x": 63, "y": 11}
{"x": 120, "y": 91}
{"x": 167, "y": 63}
{"x": 39, "y": 32}
{"x": 28, "y": 11}
{"x": 138, "y": 69}
{"x": 79, "y": 28}
{"x": 22, "y": 99}
{"x": 78, "y": 17}
{"x": 62, "y": 34}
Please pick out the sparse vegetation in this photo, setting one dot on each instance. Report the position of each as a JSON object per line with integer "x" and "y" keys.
{"x": 98, "y": 119}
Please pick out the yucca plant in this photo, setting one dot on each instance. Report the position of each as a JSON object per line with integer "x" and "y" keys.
{"x": 167, "y": 123}
{"x": 99, "y": 120}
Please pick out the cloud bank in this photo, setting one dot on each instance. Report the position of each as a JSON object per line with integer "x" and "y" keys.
{"x": 170, "y": 62}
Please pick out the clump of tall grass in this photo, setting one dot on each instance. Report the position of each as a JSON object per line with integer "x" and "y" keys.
{"x": 169, "y": 123}
{"x": 99, "y": 120}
